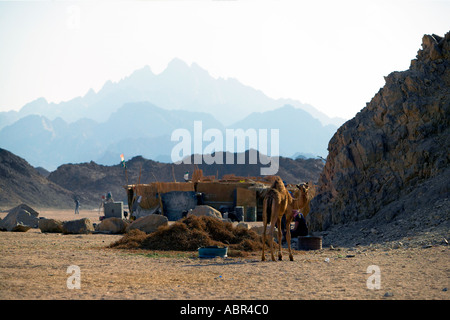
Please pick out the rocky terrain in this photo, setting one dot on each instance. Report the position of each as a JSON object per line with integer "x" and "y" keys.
{"x": 387, "y": 172}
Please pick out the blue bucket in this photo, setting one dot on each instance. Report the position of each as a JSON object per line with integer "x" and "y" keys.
{"x": 212, "y": 252}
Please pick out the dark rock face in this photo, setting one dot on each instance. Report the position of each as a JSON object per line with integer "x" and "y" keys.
{"x": 391, "y": 147}
{"x": 21, "y": 183}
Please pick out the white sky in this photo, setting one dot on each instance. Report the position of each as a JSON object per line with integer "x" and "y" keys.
{"x": 330, "y": 54}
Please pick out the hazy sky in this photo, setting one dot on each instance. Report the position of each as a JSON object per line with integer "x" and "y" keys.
{"x": 330, "y": 54}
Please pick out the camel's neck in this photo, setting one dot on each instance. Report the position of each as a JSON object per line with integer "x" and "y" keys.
{"x": 299, "y": 202}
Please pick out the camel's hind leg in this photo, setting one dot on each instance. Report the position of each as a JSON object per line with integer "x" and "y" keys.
{"x": 280, "y": 256}
{"x": 263, "y": 257}
{"x": 273, "y": 220}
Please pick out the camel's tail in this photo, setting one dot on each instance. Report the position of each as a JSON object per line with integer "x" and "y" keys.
{"x": 269, "y": 209}
{"x": 272, "y": 197}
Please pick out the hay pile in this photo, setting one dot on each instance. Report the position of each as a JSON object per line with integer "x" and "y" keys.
{"x": 190, "y": 233}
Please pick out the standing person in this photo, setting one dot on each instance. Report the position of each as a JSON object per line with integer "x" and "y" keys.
{"x": 102, "y": 204}
{"x": 77, "y": 206}
{"x": 300, "y": 227}
{"x": 109, "y": 197}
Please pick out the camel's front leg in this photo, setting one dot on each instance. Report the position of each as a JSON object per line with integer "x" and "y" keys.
{"x": 280, "y": 256}
{"x": 263, "y": 258}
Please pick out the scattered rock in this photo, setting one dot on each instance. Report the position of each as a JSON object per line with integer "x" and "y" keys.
{"x": 80, "y": 226}
{"x": 388, "y": 294}
{"x": 20, "y": 218}
{"x": 140, "y": 212}
{"x": 243, "y": 225}
{"x": 148, "y": 224}
{"x": 205, "y": 210}
{"x": 112, "y": 225}
{"x": 260, "y": 230}
{"x": 50, "y": 225}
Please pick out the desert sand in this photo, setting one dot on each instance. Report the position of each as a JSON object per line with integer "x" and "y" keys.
{"x": 34, "y": 266}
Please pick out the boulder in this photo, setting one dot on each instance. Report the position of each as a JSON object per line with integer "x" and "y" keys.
{"x": 243, "y": 225}
{"x": 20, "y": 218}
{"x": 50, "y": 225}
{"x": 112, "y": 225}
{"x": 149, "y": 224}
{"x": 140, "y": 212}
{"x": 260, "y": 230}
{"x": 78, "y": 226}
{"x": 204, "y": 210}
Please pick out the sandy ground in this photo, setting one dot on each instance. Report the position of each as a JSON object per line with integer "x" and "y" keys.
{"x": 34, "y": 265}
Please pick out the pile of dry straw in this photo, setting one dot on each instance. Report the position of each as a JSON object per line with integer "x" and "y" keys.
{"x": 191, "y": 233}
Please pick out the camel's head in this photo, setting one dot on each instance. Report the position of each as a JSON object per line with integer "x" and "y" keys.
{"x": 303, "y": 187}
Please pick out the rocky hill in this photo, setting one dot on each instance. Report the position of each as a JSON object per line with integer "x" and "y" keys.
{"x": 21, "y": 183}
{"x": 390, "y": 164}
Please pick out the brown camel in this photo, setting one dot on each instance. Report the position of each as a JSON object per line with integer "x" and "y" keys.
{"x": 278, "y": 202}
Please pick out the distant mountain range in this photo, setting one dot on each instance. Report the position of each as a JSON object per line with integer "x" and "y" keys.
{"x": 144, "y": 129}
{"x": 137, "y": 115}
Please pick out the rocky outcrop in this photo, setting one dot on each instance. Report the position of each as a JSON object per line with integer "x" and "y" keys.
{"x": 21, "y": 183}
{"x": 400, "y": 140}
